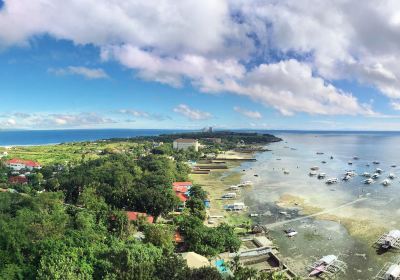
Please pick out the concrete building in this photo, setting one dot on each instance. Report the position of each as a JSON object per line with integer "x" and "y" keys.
{"x": 184, "y": 144}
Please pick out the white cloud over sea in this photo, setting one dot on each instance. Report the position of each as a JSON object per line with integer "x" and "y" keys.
{"x": 282, "y": 54}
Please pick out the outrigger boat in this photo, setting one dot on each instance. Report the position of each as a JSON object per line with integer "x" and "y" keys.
{"x": 329, "y": 265}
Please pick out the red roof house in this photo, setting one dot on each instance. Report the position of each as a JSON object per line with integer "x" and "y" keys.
{"x": 18, "y": 180}
{"x": 134, "y": 216}
{"x": 178, "y": 238}
{"x": 181, "y": 196}
{"x": 182, "y": 184}
{"x": 18, "y": 164}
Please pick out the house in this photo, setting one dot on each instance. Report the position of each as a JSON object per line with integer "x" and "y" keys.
{"x": 195, "y": 260}
{"x": 181, "y": 190}
{"x": 135, "y": 216}
{"x": 21, "y": 179}
{"x": 18, "y": 164}
{"x": 184, "y": 144}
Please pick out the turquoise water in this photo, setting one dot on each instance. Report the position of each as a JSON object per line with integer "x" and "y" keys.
{"x": 316, "y": 237}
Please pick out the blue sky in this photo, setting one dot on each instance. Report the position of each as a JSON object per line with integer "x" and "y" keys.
{"x": 227, "y": 64}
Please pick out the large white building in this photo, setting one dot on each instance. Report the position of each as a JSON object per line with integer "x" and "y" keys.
{"x": 184, "y": 144}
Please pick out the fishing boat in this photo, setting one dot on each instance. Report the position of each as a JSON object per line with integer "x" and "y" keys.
{"x": 346, "y": 177}
{"x": 320, "y": 153}
{"x": 386, "y": 182}
{"x": 286, "y": 172}
{"x": 378, "y": 170}
{"x": 375, "y": 162}
{"x": 393, "y": 165}
{"x": 312, "y": 173}
{"x": 366, "y": 174}
{"x": 391, "y": 176}
{"x": 321, "y": 176}
{"x": 331, "y": 181}
{"x": 349, "y": 163}
{"x": 368, "y": 181}
{"x": 321, "y": 265}
{"x": 375, "y": 176}
{"x": 323, "y": 161}
{"x": 356, "y": 158}
{"x": 314, "y": 168}
{"x": 290, "y": 232}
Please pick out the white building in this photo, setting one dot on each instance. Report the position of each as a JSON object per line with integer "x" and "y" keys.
{"x": 184, "y": 144}
{"x": 18, "y": 164}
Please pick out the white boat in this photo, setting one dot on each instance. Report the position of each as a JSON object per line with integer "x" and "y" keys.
{"x": 368, "y": 181}
{"x": 292, "y": 233}
{"x": 234, "y": 188}
{"x": 246, "y": 184}
{"x": 392, "y": 176}
{"x": 386, "y": 182}
{"x": 375, "y": 176}
{"x": 366, "y": 174}
{"x": 312, "y": 173}
{"x": 322, "y": 265}
{"x": 378, "y": 170}
{"x": 346, "y": 177}
{"x": 321, "y": 175}
{"x": 229, "y": 196}
{"x": 254, "y": 215}
{"x": 351, "y": 173}
{"x": 331, "y": 181}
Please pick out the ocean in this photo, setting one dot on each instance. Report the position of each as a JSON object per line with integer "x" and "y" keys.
{"x": 42, "y": 137}
{"x": 347, "y": 225}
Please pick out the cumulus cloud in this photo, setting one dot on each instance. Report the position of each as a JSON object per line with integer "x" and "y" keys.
{"x": 248, "y": 113}
{"x": 88, "y": 73}
{"x": 284, "y": 54}
{"x": 53, "y": 120}
{"x": 143, "y": 115}
{"x": 192, "y": 114}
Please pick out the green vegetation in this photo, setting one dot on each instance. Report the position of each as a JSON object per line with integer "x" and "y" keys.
{"x": 68, "y": 221}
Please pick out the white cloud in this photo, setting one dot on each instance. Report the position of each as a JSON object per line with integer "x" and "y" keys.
{"x": 248, "y": 113}
{"x": 192, "y": 114}
{"x": 211, "y": 44}
{"x": 88, "y": 73}
{"x": 53, "y": 120}
{"x": 142, "y": 114}
{"x": 396, "y": 105}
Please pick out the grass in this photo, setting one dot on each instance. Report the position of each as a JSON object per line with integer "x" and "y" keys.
{"x": 69, "y": 152}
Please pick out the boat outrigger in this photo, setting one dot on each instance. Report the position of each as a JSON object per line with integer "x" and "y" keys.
{"x": 321, "y": 176}
{"x": 389, "y": 240}
{"x": 331, "y": 181}
{"x": 390, "y": 271}
{"x": 368, "y": 181}
{"x": 327, "y": 267}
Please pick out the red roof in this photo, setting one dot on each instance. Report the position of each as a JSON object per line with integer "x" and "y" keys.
{"x": 29, "y": 163}
{"x": 178, "y": 237}
{"x": 181, "y": 196}
{"x": 182, "y": 184}
{"x": 18, "y": 180}
{"x": 181, "y": 189}
{"x": 134, "y": 216}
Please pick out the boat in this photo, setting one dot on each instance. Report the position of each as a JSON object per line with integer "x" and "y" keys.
{"x": 391, "y": 176}
{"x": 312, "y": 173}
{"x": 393, "y": 165}
{"x": 229, "y": 196}
{"x": 320, "y": 153}
{"x": 391, "y": 239}
{"x": 323, "y": 161}
{"x": 351, "y": 173}
{"x": 254, "y": 215}
{"x": 314, "y": 168}
{"x": 378, "y": 170}
{"x": 331, "y": 181}
{"x": 322, "y": 264}
{"x": 375, "y": 162}
{"x": 321, "y": 176}
{"x": 366, "y": 174}
{"x": 290, "y": 232}
{"x": 375, "y": 176}
{"x": 234, "y": 188}
{"x": 331, "y": 157}
{"x": 386, "y": 182}
{"x": 368, "y": 181}
{"x": 356, "y": 158}
{"x": 346, "y": 177}
{"x": 349, "y": 163}
{"x": 246, "y": 184}
{"x": 286, "y": 172}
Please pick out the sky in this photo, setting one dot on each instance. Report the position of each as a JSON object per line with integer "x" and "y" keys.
{"x": 188, "y": 64}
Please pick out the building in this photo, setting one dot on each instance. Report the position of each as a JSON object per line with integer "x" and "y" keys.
{"x": 195, "y": 260}
{"x": 135, "y": 216}
{"x": 184, "y": 144}
{"x": 18, "y": 180}
{"x": 18, "y": 164}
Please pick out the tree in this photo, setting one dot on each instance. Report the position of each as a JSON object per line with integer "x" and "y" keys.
{"x": 160, "y": 236}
